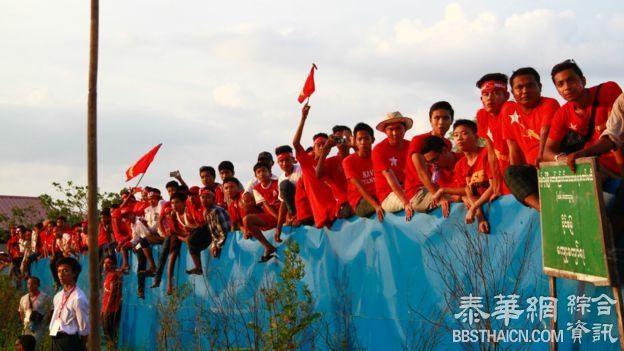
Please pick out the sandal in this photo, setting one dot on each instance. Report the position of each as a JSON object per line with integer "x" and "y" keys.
{"x": 267, "y": 257}
{"x": 197, "y": 271}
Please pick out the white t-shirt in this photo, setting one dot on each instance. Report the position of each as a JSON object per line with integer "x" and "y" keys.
{"x": 615, "y": 124}
{"x": 25, "y": 308}
{"x": 151, "y": 216}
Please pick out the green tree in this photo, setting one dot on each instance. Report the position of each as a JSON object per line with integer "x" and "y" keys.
{"x": 72, "y": 202}
{"x": 290, "y": 306}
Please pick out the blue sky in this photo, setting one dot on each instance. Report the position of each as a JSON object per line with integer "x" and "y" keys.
{"x": 219, "y": 80}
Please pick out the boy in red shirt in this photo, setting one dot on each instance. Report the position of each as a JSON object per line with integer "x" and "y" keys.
{"x": 494, "y": 96}
{"x": 472, "y": 173}
{"x": 238, "y": 212}
{"x": 389, "y": 164}
{"x": 525, "y": 126}
{"x": 266, "y": 194}
{"x": 111, "y": 301}
{"x": 584, "y": 115}
{"x": 358, "y": 169}
{"x": 419, "y": 185}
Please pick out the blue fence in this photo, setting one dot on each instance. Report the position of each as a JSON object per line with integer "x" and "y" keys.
{"x": 431, "y": 283}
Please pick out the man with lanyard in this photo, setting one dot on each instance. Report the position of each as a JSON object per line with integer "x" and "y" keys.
{"x": 69, "y": 326}
{"x": 32, "y": 308}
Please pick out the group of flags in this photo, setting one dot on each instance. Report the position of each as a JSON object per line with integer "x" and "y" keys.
{"x": 141, "y": 166}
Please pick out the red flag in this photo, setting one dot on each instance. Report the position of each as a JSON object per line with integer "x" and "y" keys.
{"x": 141, "y": 165}
{"x": 308, "y": 87}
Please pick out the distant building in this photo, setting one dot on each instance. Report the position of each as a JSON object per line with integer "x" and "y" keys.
{"x": 34, "y": 210}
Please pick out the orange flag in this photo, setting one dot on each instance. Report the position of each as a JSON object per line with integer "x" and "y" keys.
{"x": 308, "y": 87}
{"x": 142, "y": 164}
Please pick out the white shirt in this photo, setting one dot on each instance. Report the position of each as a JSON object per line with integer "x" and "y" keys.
{"x": 293, "y": 178}
{"x": 151, "y": 216}
{"x": 71, "y": 313}
{"x": 139, "y": 230}
{"x": 26, "y": 308}
{"x": 615, "y": 124}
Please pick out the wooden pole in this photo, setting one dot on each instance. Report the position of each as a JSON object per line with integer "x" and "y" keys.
{"x": 92, "y": 191}
{"x": 552, "y": 285}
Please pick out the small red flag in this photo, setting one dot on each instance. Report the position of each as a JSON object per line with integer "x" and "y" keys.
{"x": 141, "y": 165}
{"x": 308, "y": 87}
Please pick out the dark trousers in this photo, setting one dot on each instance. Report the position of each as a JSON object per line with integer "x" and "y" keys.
{"x": 141, "y": 264}
{"x": 288, "y": 193}
{"x": 64, "y": 342}
{"x": 162, "y": 260}
{"x": 110, "y": 326}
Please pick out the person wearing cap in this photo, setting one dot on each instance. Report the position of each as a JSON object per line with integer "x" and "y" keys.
{"x": 525, "y": 126}
{"x": 69, "y": 326}
{"x": 218, "y": 222}
{"x": 266, "y": 158}
{"x": 208, "y": 175}
{"x": 584, "y": 115}
{"x": 494, "y": 95}
{"x": 330, "y": 169}
{"x": 358, "y": 169}
{"x": 421, "y": 178}
{"x": 389, "y": 158}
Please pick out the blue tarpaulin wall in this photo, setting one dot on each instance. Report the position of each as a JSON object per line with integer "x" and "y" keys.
{"x": 380, "y": 286}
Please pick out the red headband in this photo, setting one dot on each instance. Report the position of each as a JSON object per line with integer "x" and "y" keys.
{"x": 492, "y": 85}
{"x": 284, "y": 155}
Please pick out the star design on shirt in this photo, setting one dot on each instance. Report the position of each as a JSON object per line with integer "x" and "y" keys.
{"x": 515, "y": 118}
{"x": 574, "y": 127}
{"x": 393, "y": 161}
{"x": 489, "y": 134}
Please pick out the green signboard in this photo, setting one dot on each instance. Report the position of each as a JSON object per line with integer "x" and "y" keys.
{"x": 574, "y": 245}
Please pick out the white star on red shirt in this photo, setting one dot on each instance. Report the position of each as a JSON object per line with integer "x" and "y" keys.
{"x": 573, "y": 126}
{"x": 393, "y": 161}
{"x": 515, "y": 118}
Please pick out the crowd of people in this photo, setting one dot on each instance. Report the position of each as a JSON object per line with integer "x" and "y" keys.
{"x": 496, "y": 155}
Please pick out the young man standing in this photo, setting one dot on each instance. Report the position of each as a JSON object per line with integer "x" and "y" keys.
{"x": 69, "y": 326}
{"x": 359, "y": 172}
{"x": 525, "y": 126}
{"x": 420, "y": 182}
{"x": 494, "y": 96}
{"x": 32, "y": 309}
{"x": 110, "y": 315}
{"x": 389, "y": 164}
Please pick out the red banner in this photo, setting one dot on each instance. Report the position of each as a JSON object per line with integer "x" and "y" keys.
{"x": 142, "y": 164}
{"x": 308, "y": 87}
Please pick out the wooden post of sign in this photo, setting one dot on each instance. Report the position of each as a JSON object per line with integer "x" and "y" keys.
{"x": 552, "y": 287}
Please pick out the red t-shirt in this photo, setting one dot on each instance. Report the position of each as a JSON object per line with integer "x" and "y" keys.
{"x": 566, "y": 119}
{"x": 387, "y": 157}
{"x": 13, "y": 246}
{"x": 102, "y": 236}
{"x": 335, "y": 177}
{"x": 361, "y": 169}
{"x": 412, "y": 180}
{"x": 269, "y": 194}
{"x": 121, "y": 229}
{"x": 477, "y": 175}
{"x": 319, "y": 195}
{"x": 525, "y": 129}
{"x": 111, "y": 292}
{"x": 237, "y": 212}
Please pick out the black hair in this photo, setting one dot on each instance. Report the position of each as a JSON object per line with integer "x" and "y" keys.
{"x": 282, "y": 149}
{"x": 231, "y": 180}
{"x": 432, "y": 143}
{"x": 340, "y": 128}
{"x": 35, "y": 279}
{"x": 364, "y": 128}
{"x": 442, "y": 105}
{"x": 63, "y": 218}
{"x": 497, "y": 77}
{"x": 105, "y": 211}
{"x": 72, "y": 262}
{"x": 112, "y": 258}
{"x": 28, "y": 342}
{"x": 261, "y": 164}
{"x": 172, "y": 184}
{"x": 208, "y": 169}
{"x": 466, "y": 123}
{"x": 226, "y": 165}
{"x": 525, "y": 71}
{"x": 183, "y": 188}
{"x": 179, "y": 195}
{"x": 562, "y": 66}
{"x": 324, "y": 135}
{"x": 39, "y": 225}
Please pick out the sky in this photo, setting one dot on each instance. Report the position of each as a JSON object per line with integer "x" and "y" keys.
{"x": 217, "y": 81}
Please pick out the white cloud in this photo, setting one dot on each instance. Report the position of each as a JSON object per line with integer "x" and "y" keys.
{"x": 228, "y": 95}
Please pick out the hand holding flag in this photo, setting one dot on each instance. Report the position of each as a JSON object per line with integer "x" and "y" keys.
{"x": 308, "y": 86}
{"x": 142, "y": 164}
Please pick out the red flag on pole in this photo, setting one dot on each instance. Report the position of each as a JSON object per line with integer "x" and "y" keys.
{"x": 141, "y": 165}
{"x": 308, "y": 87}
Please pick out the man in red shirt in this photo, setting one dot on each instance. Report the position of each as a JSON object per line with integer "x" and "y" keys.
{"x": 419, "y": 185}
{"x": 494, "y": 96}
{"x": 525, "y": 126}
{"x": 111, "y": 301}
{"x": 237, "y": 211}
{"x": 207, "y": 175}
{"x": 359, "y": 172}
{"x": 330, "y": 169}
{"x": 583, "y": 116}
{"x": 389, "y": 164}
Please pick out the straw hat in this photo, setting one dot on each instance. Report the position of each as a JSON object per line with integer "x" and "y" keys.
{"x": 394, "y": 117}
